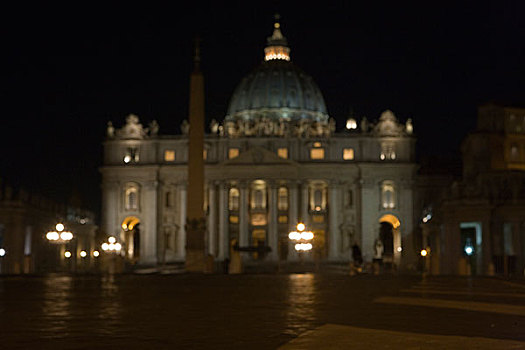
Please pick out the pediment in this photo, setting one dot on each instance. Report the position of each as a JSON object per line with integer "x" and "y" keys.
{"x": 258, "y": 156}
{"x": 388, "y": 125}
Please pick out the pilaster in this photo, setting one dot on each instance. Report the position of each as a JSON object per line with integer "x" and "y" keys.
{"x": 292, "y": 218}
{"x": 334, "y": 243}
{"x": 273, "y": 232}
{"x": 224, "y": 239}
{"x": 244, "y": 239}
{"x": 181, "y": 239}
{"x": 212, "y": 219}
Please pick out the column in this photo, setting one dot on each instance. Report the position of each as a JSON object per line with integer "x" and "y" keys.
{"x": 110, "y": 200}
{"x": 486, "y": 246}
{"x": 450, "y": 261}
{"x": 517, "y": 242}
{"x": 148, "y": 233}
{"x": 212, "y": 220}
{"x": 181, "y": 237}
{"x": 305, "y": 217}
{"x": 162, "y": 242}
{"x": 292, "y": 218}
{"x": 244, "y": 240}
{"x": 273, "y": 232}
{"x": 334, "y": 242}
{"x": 224, "y": 214}
{"x": 369, "y": 194}
{"x": 410, "y": 254}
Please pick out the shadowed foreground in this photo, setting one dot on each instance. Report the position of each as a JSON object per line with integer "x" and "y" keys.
{"x": 247, "y": 311}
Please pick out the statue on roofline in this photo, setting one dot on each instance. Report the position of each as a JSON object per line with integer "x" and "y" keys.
{"x": 110, "y": 130}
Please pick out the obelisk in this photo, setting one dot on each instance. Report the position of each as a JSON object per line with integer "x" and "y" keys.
{"x": 195, "y": 217}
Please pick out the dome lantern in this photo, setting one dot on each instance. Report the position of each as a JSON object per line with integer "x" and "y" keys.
{"x": 277, "y": 47}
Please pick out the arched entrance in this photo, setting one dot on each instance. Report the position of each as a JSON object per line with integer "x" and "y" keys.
{"x": 390, "y": 235}
{"x": 130, "y": 237}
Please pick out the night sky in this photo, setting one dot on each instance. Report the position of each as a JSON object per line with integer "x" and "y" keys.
{"x": 67, "y": 71}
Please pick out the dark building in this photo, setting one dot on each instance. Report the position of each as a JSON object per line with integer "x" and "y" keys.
{"x": 477, "y": 225}
{"x": 25, "y": 219}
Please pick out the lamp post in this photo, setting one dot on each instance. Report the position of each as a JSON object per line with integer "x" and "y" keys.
{"x": 113, "y": 248}
{"x": 60, "y": 237}
{"x": 2, "y": 254}
{"x": 425, "y": 254}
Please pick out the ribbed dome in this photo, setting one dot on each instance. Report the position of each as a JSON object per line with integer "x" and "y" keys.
{"x": 277, "y": 89}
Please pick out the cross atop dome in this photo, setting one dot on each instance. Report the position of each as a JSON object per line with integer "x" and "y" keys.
{"x": 277, "y": 47}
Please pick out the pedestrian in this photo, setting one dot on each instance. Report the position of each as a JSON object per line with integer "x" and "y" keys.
{"x": 378, "y": 255}
{"x": 357, "y": 259}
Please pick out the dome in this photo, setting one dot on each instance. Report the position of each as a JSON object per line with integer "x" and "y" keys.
{"x": 277, "y": 89}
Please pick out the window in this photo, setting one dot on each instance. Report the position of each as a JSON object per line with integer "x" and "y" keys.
{"x": 317, "y": 196}
{"x": 169, "y": 155}
{"x": 258, "y": 199}
{"x": 317, "y": 153}
{"x": 258, "y": 194}
{"x": 233, "y": 203}
{"x": 318, "y": 199}
{"x": 282, "y": 202}
{"x": 233, "y": 153}
{"x": 131, "y": 156}
{"x": 350, "y": 201}
{"x": 282, "y": 152}
{"x": 388, "y": 195}
{"x": 348, "y": 154}
{"x": 132, "y": 198}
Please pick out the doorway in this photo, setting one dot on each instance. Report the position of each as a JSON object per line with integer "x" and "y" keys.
{"x": 389, "y": 233}
{"x": 130, "y": 237}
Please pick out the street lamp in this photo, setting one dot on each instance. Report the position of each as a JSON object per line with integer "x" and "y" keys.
{"x": 302, "y": 238}
{"x": 111, "y": 246}
{"x": 59, "y": 236}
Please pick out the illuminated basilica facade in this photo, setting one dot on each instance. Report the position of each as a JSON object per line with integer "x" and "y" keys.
{"x": 275, "y": 160}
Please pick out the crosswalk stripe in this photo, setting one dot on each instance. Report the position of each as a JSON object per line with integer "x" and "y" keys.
{"x": 517, "y": 285}
{"x": 458, "y": 292}
{"x": 452, "y": 304}
{"x": 334, "y": 336}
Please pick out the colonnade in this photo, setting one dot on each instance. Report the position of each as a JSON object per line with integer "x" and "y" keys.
{"x": 218, "y": 218}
